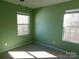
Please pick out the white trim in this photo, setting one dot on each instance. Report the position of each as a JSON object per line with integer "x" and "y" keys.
{"x": 20, "y": 44}
{"x": 72, "y": 11}
{"x": 52, "y": 47}
{"x": 61, "y": 50}
{"x": 71, "y": 41}
{"x": 23, "y": 13}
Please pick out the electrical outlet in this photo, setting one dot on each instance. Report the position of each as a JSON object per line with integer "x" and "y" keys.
{"x": 5, "y": 44}
{"x": 53, "y": 42}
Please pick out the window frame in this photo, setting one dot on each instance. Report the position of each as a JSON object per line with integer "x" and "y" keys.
{"x": 69, "y": 12}
{"x": 27, "y": 14}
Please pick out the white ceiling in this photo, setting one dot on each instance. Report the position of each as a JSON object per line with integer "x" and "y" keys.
{"x": 36, "y": 3}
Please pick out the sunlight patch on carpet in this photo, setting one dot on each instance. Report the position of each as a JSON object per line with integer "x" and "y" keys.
{"x": 20, "y": 54}
{"x": 42, "y": 54}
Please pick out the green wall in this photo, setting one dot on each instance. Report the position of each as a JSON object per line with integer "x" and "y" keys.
{"x": 8, "y": 26}
{"x": 49, "y": 26}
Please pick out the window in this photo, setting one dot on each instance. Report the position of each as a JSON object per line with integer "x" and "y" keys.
{"x": 22, "y": 24}
{"x": 71, "y": 26}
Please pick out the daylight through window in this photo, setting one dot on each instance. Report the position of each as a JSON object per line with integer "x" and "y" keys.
{"x": 71, "y": 26}
{"x": 22, "y": 24}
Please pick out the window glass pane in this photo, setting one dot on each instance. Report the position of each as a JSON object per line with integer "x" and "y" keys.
{"x": 71, "y": 19}
{"x": 22, "y": 19}
{"x": 66, "y": 20}
{"x": 71, "y": 27}
{"x": 23, "y": 29}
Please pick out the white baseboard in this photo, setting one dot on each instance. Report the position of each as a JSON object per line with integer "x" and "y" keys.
{"x": 21, "y": 44}
{"x": 51, "y": 47}
{"x": 66, "y": 52}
